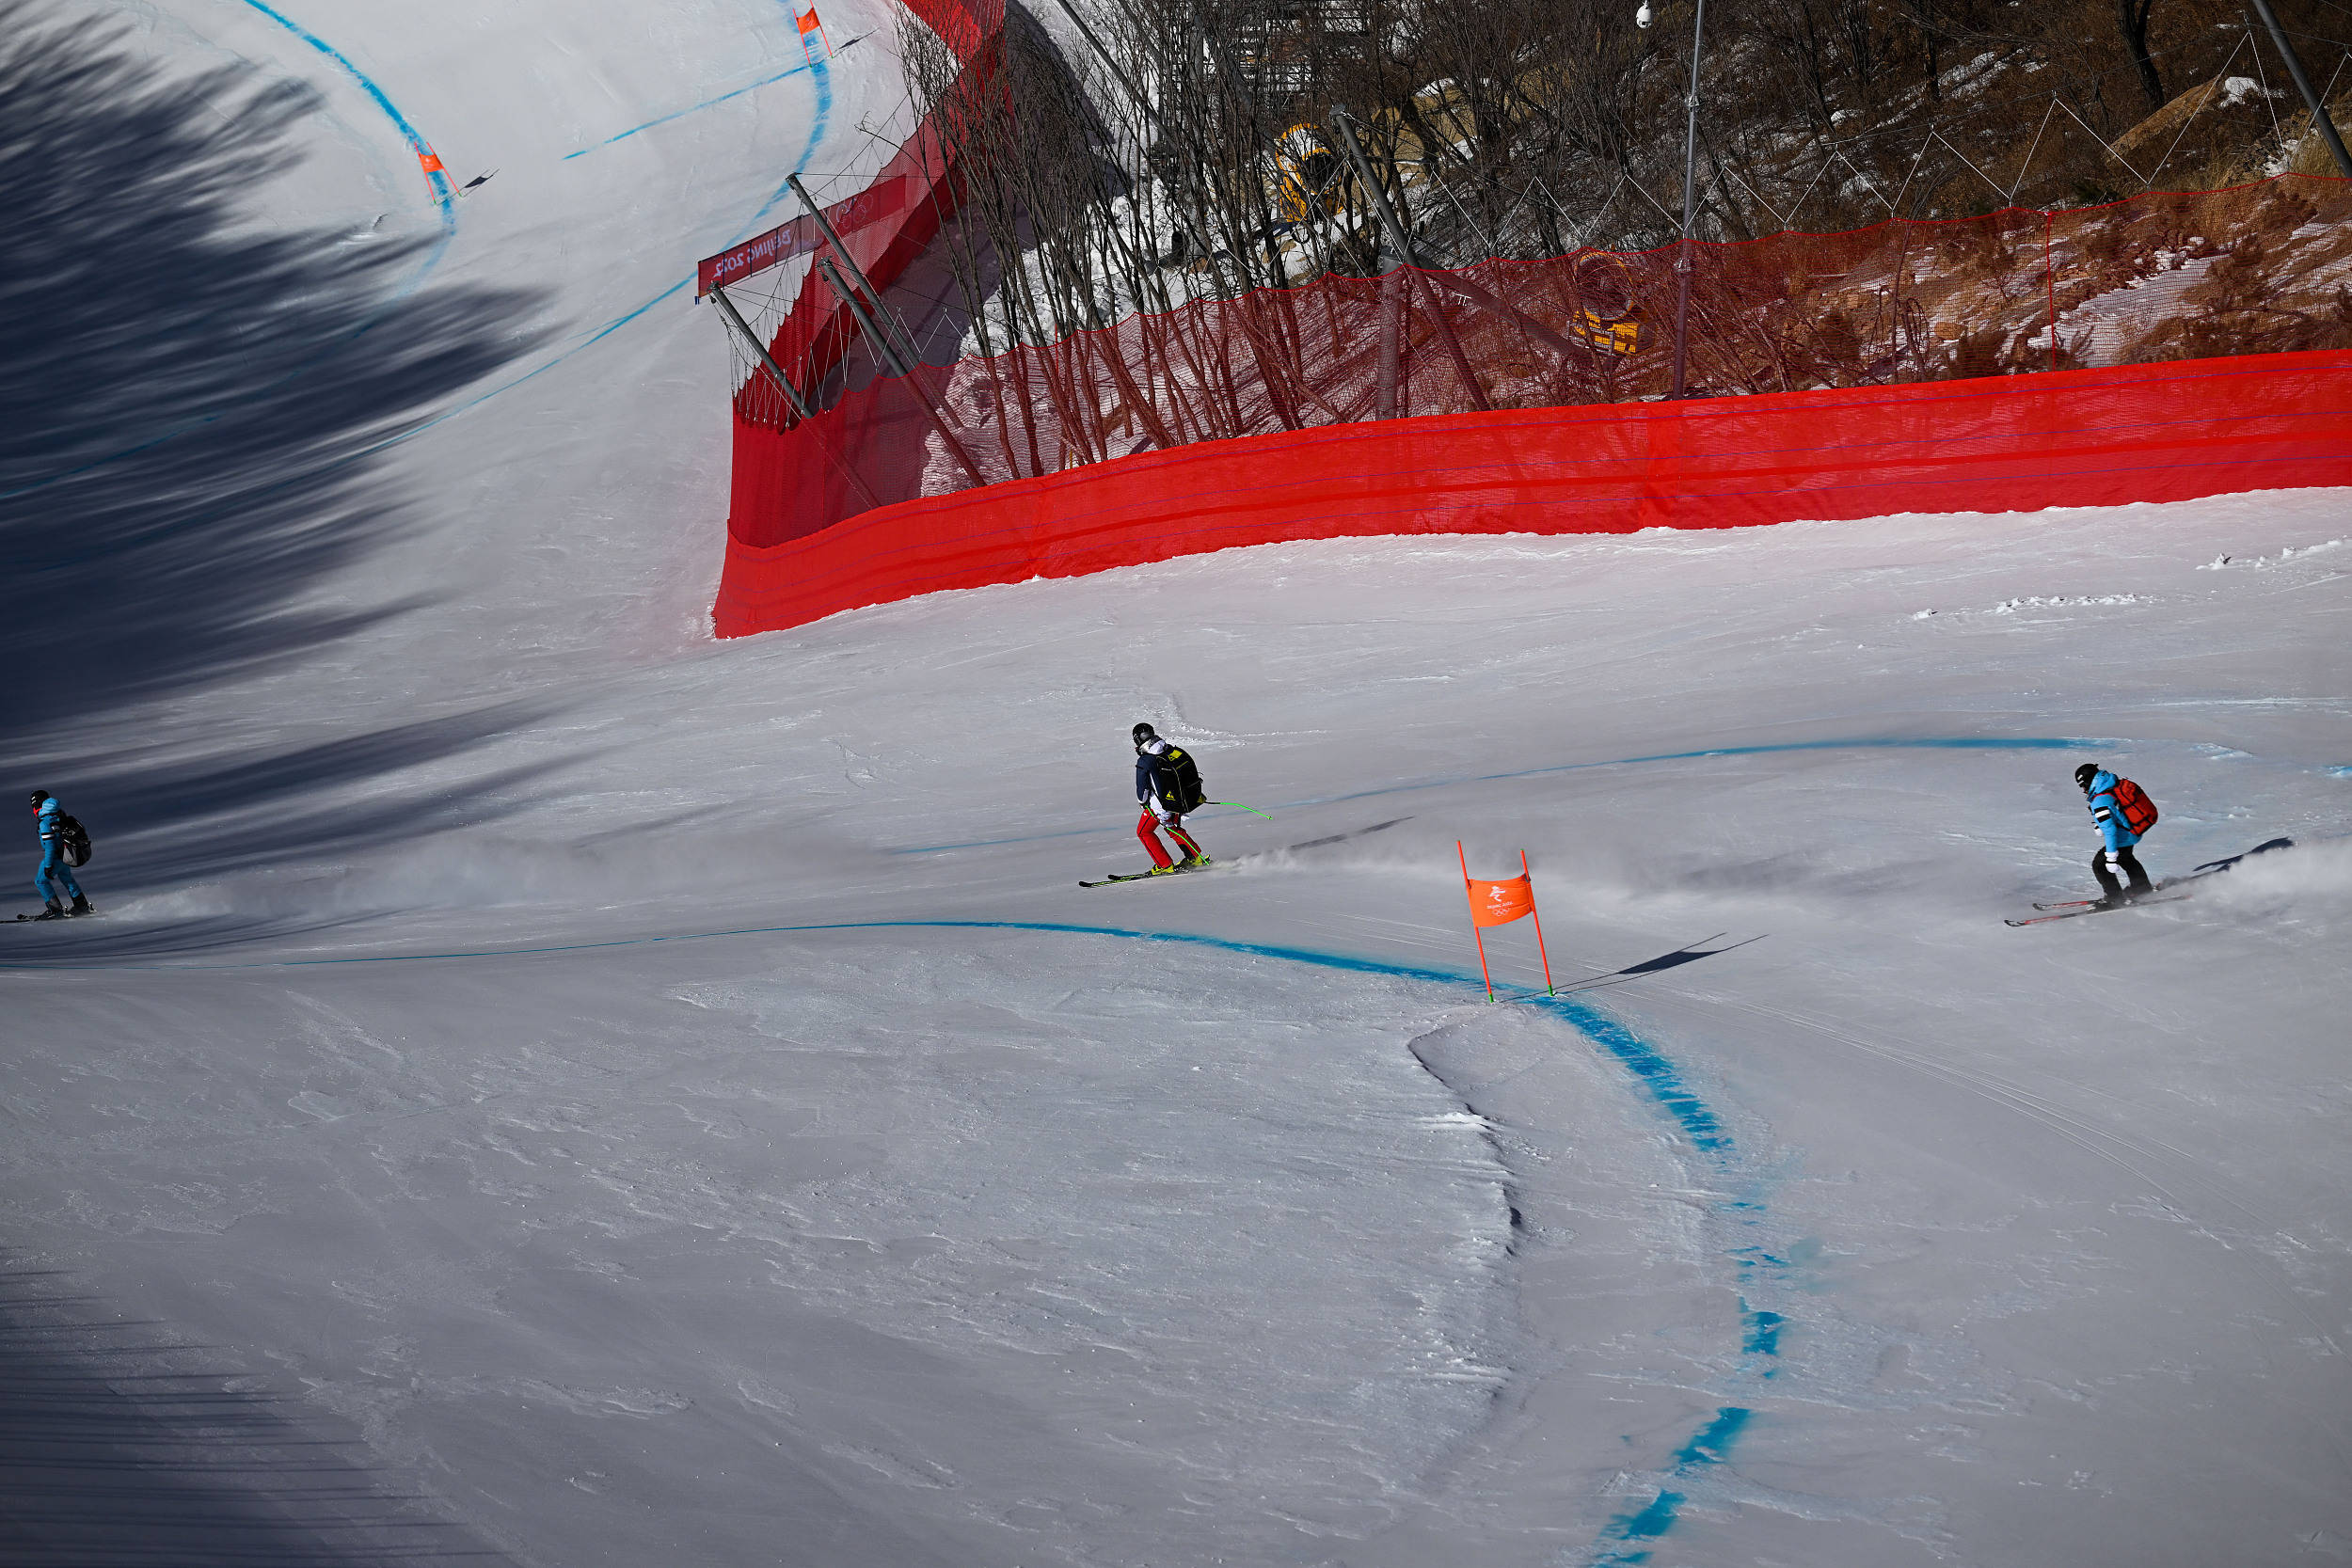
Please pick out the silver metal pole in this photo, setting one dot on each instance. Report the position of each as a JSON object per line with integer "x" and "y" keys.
{"x": 903, "y": 370}
{"x": 1395, "y": 231}
{"x": 1135, "y": 93}
{"x": 775, "y": 372}
{"x": 2303, "y": 84}
{"x": 850, "y": 262}
{"x": 799, "y": 405}
{"x": 1690, "y": 202}
{"x": 1392, "y": 331}
{"x": 1403, "y": 248}
{"x": 882, "y": 345}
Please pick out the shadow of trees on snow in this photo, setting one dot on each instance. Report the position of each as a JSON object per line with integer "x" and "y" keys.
{"x": 118, "y": 1444}
{"x": 190, "y": 429}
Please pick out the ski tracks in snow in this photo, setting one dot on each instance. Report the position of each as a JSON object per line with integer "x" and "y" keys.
{"x": 2185, "y": 1185}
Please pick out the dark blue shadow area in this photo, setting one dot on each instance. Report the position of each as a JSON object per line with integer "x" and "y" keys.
{"x": 121, "y": 1445}
{"x": 190, "y": 424}
{"x": 218, "y": 815}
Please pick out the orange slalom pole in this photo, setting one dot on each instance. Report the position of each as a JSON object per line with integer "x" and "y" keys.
{"x": 1531, "y": 915}
{"x": 1475, "y": 937}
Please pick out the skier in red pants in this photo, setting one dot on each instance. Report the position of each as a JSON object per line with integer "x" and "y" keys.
{"x": 1167, "y": 782}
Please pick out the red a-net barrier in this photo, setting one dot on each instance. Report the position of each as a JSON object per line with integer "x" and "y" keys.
{"x": 2170, "y": 346}
{"x": 886, "y": 226}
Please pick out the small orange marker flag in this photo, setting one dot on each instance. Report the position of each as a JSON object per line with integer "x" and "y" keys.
{"x": 1499, "y": 904}
{"x": 430, "y": 161}
{"x": 808, "y": 23}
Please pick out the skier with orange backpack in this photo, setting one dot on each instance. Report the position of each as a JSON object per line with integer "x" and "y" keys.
{"x": 2124, "y": 812}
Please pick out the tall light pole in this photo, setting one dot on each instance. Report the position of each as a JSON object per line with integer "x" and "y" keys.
{"x": 1689, "y": 190}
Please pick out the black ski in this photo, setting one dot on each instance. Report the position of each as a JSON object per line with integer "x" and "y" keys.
{"x": 1311, "y": 844}
{"x": 2101, "y": 906}
{"x": 1139, "y": 876}
{"x": 2066, "y": 909}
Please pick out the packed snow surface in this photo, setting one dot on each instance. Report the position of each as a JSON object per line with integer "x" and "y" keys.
{"x": 547, "y": 1087}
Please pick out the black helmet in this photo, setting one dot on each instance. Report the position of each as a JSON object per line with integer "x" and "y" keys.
{"x": 39, "y": 796}
{"x": 1142, "y": 733}
{"x": 2084, "y": 774}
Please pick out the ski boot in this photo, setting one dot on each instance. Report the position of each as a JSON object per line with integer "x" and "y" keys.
{"x": 54, "y": 911}
{"x": 81, "y": 905}
{"x": 1194, "y": 863}
{"x": 1163, "y": 871}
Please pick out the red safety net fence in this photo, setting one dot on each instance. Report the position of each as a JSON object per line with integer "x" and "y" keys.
{"x": 885, "y": 227}
{"x": 2259, "y": 270}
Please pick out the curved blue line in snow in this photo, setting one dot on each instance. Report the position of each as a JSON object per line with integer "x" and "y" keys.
{"x": 444, "y": 194}
{"x": 696, "y": 109}
{"x": 1864, "y": 743}
{"x": 1620, "y": 1542}
{"x": 816, "y": 134}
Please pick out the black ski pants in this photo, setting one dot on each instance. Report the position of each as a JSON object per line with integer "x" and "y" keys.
{"x": 2129, "y": 861}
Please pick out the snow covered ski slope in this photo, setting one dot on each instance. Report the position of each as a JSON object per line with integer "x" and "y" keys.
{"x": 550, "y": 1088}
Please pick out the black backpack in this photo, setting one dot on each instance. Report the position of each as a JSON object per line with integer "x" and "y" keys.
{"x": 1176, "y": 780}
{"x": 74, "y": 839}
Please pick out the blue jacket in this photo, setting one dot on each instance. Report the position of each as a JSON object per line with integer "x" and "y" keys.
{"x": 48, "y": 822}
{"x": 2105, "y": 812}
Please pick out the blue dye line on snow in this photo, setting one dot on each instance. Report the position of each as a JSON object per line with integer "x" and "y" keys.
{"x": 816, "y": 134}
{"x": 697, "y": 108}
{"x": 444, "y": 194}
{"x": 1944, "y": 743}
{"x": 444, "y": 197}
{"x": 1619, "y": 1545}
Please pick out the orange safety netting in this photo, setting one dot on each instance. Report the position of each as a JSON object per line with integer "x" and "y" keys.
{"x": 2173, "y": 431}
{"x": 2258, "y": 269}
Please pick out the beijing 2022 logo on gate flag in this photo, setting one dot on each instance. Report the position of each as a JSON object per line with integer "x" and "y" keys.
{"x": 1499, "y": 904}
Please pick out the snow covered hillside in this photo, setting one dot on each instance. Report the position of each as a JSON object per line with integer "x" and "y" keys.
{"x": 550, "y": 1088}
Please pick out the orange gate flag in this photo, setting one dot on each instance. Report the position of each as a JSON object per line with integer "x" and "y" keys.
{"x": 1499, "y": 904}
{"x": 809, "y": 23}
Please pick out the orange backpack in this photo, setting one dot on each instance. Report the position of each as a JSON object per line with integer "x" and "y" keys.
{"x": 2139, "y": 812}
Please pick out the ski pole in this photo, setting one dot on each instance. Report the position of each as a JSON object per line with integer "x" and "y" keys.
{"x": 1238, "y": 806}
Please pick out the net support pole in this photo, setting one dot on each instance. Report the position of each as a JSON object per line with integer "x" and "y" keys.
{"x": 1392, "y": 329}
{"x": 1476, "y": 935}
{"x": 775, "y": 372}
{"x": 1541, "y": 951}
{"x": 825, "y": 227}
{"x": 2303, "y": 84}
{"x": 1403, "y": 248}
{"x": 784, "y": 382}
{"x": 1119, "y": 73}
{"x": 884, "y": 348}
{"x": 881, "y": 329}
{"x": 1689, "y": 203}
{"x": 899, "y": 367}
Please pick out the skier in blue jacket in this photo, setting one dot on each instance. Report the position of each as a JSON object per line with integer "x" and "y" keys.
{"x": 45, "y": 812}
{"x": 2117, "y": 838}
